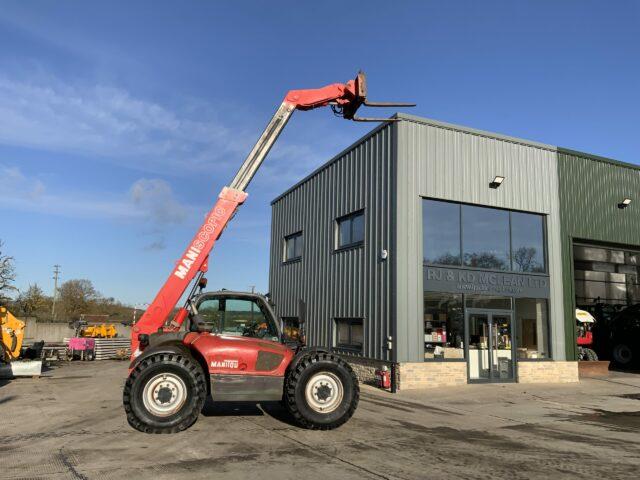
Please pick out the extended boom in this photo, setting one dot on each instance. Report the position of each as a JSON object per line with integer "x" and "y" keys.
{"x": 344, "y": 99}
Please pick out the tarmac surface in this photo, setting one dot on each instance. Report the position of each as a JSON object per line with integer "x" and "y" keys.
{"x": 70, "y": 424}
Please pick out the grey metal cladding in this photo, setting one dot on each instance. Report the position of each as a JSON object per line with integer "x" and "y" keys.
{"x": 351, "y": 283}
{"x": 444, "y": 161}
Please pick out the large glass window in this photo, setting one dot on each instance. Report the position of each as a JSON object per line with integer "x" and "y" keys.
{"x": 443, "y": 326}
{"x": 351, "y": 230}
{"x": 527, "y": 242}
{"x": 532, "y": 327}
{"x": 482, "y": 237}
{"x": 485, "y": 238}
{"x": 441, "y": 241}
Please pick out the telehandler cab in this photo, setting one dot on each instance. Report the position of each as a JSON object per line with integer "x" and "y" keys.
{"x": 229, "y": 344}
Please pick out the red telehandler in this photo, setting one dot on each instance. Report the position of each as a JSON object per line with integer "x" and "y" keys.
{"x": 229, "y": 344}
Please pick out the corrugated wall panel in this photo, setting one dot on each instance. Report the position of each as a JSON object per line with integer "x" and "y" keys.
{"x": 350, "y": 283}
{"x": 590, "y": 190}
{"x": 443, "y": 161}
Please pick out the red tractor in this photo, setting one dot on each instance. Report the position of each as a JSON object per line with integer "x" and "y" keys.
{"x": 229, "y": 345}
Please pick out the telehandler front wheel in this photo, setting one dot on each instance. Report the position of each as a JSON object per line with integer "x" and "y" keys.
{"x": 165, "y": 393}
{"x": 321, "y": 392}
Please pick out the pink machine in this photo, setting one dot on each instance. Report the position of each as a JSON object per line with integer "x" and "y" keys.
{"x": 83, "y": 348}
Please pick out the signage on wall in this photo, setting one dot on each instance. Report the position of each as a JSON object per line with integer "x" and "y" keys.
{"x": 458, "y": 280}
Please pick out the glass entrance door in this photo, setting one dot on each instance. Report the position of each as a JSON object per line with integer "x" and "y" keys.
{"x": 490, "y": 346}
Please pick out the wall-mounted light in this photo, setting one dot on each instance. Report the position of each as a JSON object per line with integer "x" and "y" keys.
{"x": 496, "y": 182}
{"x": 624, "y": 203}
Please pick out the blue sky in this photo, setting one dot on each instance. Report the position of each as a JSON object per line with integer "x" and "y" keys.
{"x": 121, "y": 121}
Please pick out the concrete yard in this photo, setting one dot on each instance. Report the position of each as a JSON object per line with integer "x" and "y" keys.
{"x": 70, "y": 424}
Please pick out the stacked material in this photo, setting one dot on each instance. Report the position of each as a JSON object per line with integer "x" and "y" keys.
{"x": 109, "y": 348}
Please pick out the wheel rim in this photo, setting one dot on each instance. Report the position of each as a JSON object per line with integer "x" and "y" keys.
{"x": 324, "y": 392}
{"x": 622, "y": 354}
{"x": 164, "y": 394}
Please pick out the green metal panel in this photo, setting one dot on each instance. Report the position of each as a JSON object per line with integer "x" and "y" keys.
{"x": 591, "y": 188}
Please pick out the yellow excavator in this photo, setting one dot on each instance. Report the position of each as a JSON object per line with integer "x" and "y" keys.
{"x": 11, "y": 362}
{"x": 84, "y": 329}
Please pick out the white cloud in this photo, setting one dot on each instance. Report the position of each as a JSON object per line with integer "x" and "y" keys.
{"x": 111, "y": 124}
{"x": 156, "y": 199}
{"x": 115, "y": 126}
{"x": 148, "y": 201}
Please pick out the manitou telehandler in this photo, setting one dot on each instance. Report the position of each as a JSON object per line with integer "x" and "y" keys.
{"x": 229, "y": 344}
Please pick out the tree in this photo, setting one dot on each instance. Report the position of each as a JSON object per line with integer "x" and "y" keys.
{"x": 32, "y": 301}
{"x": 525, "y": 258}
{"x": 484, "y": 260}
{"x": 7, "y": 274}
{"x": 77, "y": 297}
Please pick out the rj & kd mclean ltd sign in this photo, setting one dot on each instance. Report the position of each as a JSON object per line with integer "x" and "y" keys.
{"x": 458, "y": 280}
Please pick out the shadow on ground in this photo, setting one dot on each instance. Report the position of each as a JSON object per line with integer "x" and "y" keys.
{"x": 274, "y": 410}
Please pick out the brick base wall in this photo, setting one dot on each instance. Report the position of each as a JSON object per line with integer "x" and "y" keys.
{"x": 431, "y": 374}
{"x": 547, "y": 372}
{"x": 446, "y": 374}
{"x": 365, "y": 368}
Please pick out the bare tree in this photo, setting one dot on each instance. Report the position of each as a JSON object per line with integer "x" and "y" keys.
{"x": 525, "y": 258}
{"x": 7, "y": 274}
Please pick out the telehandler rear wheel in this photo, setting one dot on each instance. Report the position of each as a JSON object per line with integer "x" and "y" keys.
{"x": 321, "y": 392}
{"x": 165, "y": 393}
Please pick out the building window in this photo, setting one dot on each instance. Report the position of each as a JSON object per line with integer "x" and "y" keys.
{"x": 349, "y": 334}
{"x": 485, "y": 238}
{"x": 532, "y": 328}
{"x": 293, "y": 247}
{"x": 482, "y": 237}
{"x": 606, "y": 276}
{"x": 443, "y": 317}
{"x": 350, "y": 230}
{"x": 527, "y": 242}
{"x": 441, "y": 240}
{"x": 291, "y": 329}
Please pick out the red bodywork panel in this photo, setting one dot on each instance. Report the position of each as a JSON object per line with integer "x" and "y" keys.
{"x": 586, "y": 340}
{"x": 230, "y": 355}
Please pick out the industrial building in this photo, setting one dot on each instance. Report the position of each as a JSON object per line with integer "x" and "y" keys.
{"x": 457, "y": 255}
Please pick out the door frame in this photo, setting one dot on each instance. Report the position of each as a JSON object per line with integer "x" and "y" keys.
{"x": 490, "y": 313}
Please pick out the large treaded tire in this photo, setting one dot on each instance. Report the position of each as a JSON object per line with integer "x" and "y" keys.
{"x": 622, "y": 355}
{"x": 296, "y": 383}
{"x": 180, "y": 364}
{"x": 587, "y": 354}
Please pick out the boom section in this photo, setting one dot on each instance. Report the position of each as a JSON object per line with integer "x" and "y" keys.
{"x": 195, "y": 258}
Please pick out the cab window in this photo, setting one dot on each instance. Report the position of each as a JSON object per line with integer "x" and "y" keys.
{"x": 209, "y": 310}
{"x": 243, "y": 317}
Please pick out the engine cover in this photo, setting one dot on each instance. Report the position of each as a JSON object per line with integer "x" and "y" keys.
{"x": 231, "y": 355}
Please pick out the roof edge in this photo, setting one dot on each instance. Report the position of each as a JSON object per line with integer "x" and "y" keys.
{"x": 598, "y": 158}
{"x": 474, "y": 131}
{"x": 334, "y": 159}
